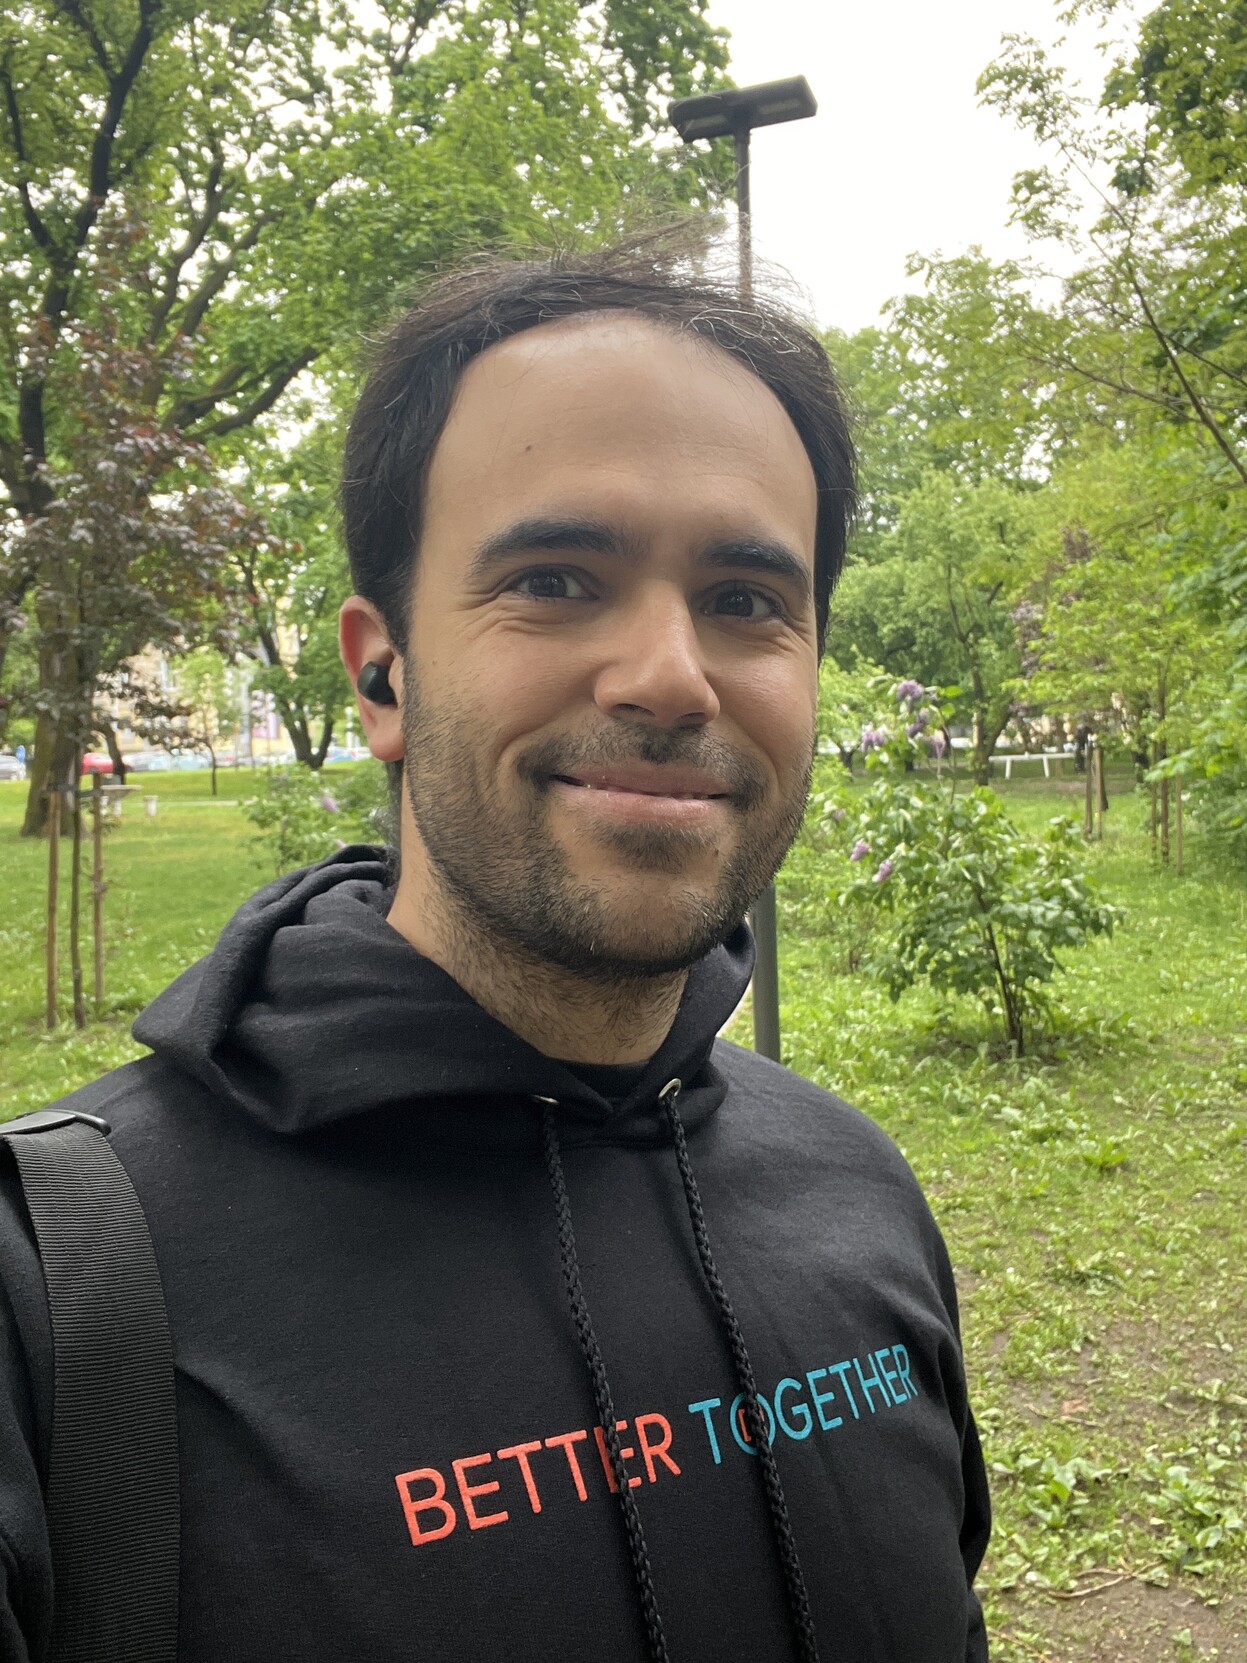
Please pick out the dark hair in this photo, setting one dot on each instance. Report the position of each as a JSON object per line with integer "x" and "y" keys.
{"x": 408, "y": 395}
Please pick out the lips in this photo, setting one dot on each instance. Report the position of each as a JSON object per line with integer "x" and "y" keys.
{"x": 649, "y": 780}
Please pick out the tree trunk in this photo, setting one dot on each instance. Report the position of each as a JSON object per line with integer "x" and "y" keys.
{"x": 114, "y": 751}
{"x": 326, "y": 739}
{"x": 1152, "y": 788}
{"x": 295, "y": 724}
{"x": 51, "y": 765}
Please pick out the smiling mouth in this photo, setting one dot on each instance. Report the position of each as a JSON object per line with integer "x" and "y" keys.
{"x": 640, "y": 791}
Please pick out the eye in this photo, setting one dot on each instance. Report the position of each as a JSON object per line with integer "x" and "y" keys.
{"x": 742, "y": 600}
{"x": 550, "y": 583}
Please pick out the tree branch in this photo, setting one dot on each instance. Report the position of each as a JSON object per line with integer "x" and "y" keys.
{"x": 196, "y": 406}
{"x": 264, "y": 401}
{"x": 1173, "y": 405}
{"x": 1197, "y": 404}
{"x": 422, "y": 17}
{"x": 217, "y": 275}
{"x": 64, "y": 261}
{"x": 196, "y": 235}
{"x": 34, "y": 223}
{"x": 73, "y": 10}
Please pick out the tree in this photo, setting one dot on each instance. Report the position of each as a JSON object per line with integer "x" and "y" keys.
{"x": 280, "y": 172}
{"x": 1147, "y": 191}
{"x": 940, "y": 607}
{"x": 292, "y": 588}
{"x": 205, "y": 686}
{"x": 127, "y": 552}
{"x": 1113, "y": 640}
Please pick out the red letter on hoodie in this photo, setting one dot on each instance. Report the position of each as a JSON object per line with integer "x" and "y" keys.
{"x": 413, "y": 1508}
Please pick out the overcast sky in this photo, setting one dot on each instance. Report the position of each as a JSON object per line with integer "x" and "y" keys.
{"x": 900, "y": 157}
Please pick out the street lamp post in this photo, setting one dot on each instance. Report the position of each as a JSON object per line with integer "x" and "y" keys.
{"x": 713, "y": 115}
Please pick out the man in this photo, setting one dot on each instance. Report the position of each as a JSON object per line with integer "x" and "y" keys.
{"x": 515, "y": 1315}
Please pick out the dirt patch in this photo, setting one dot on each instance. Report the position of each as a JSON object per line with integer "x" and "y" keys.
{"x": 1131, "y": 1623}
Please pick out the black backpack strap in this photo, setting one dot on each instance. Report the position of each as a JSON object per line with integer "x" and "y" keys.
{"x": 112, "y": 1499}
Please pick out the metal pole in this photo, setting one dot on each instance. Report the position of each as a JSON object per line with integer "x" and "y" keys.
{"x": 744, "y": 214}
{"x": 764, "y": 919}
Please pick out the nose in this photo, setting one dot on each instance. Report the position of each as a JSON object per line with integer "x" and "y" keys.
{"x": 654, "y": 667}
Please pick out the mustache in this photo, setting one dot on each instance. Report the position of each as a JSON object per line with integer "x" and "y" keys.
{"x": 744, "y": 779}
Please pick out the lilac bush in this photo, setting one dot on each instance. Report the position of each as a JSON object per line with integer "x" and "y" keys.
{"x": 971, "y": 904}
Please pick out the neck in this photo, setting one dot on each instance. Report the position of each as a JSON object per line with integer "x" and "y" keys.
{"x": 561, "y": 1013}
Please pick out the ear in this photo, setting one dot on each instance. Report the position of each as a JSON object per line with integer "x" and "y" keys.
{"x": 364, "y": 639}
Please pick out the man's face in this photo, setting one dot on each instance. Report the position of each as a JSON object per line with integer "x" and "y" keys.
{"x": 610, "y": 683}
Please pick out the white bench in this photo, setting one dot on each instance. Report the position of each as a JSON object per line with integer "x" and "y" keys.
{"x": 1008, "y": 758}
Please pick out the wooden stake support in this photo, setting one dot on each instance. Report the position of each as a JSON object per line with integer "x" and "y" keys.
{"x": 98, "y": 887}
{"x": 1101, "y": 795}
{"x": 54, "y": 872}
{"x": 75, "y": 912}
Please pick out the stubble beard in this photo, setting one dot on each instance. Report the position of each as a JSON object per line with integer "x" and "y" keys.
{"x": 508, "y": 887}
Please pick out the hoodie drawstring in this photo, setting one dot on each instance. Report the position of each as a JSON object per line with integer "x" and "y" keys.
{"x": 777, "y": 1507}
{"x": 601, "y": 1387}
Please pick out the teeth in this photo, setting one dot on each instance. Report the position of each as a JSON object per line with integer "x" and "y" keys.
{"x": 678, "y": 796}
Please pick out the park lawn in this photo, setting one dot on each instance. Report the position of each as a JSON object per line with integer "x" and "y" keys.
{"x": 173, "y": 881}
{"x": 1093, "y": 1195}
{"x": 1094, "y": 1199}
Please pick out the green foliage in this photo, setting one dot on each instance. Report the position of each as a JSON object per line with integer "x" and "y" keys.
{"x": 975, "y": 907}
{"x": 978, "y": 908}
{"x": 1200, "y": 1500}
{"x": 302, "y": 818}
{"x": 940, "y": 604}
{"x": 268, "y": 183}
{"x": 1190, "y": 71}
{"x": 292, "y": 587}
{"x": 847, "y": 701}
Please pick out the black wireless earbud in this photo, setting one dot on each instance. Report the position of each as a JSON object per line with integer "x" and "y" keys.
{"x": 374, "y": 684}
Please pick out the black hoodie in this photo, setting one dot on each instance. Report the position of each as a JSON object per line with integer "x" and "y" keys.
{"x": 390, "y": 1441}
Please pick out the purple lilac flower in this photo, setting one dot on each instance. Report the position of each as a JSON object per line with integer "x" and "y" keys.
{"x": 911, "y": 691}
{"x": 938, "y": 744}
{"x": 872, "y": 738}
{"x": 329, "y": 802}
{"x": 884, "y": 872}
{"x": 919, "y": 722}
{"x": 860, "y": 849}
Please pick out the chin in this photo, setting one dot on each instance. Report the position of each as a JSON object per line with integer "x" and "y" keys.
{"x": 643, "y": 937}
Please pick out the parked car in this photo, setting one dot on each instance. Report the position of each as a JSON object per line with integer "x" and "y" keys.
{"x": 11, "y": 767}
{"x": 97, "y": 762}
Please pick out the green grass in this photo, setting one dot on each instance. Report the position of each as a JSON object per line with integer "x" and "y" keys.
{"x": 1094, "y": 1198}
{"x": 1094, "y": 1195}
{"x": 173, "y": 881}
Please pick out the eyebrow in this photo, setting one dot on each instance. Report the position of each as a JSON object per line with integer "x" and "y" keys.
{"x": 559, "y": 535}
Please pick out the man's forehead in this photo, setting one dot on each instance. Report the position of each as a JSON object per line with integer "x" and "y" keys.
{"x": 618, "y": 370}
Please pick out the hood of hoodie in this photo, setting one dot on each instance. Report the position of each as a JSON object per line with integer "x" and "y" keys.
{"x": 311, "y": 1009}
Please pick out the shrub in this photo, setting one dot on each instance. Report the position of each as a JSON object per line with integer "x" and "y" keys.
{"x": 975, "y": 906}
{"x": 302, "y": 816}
